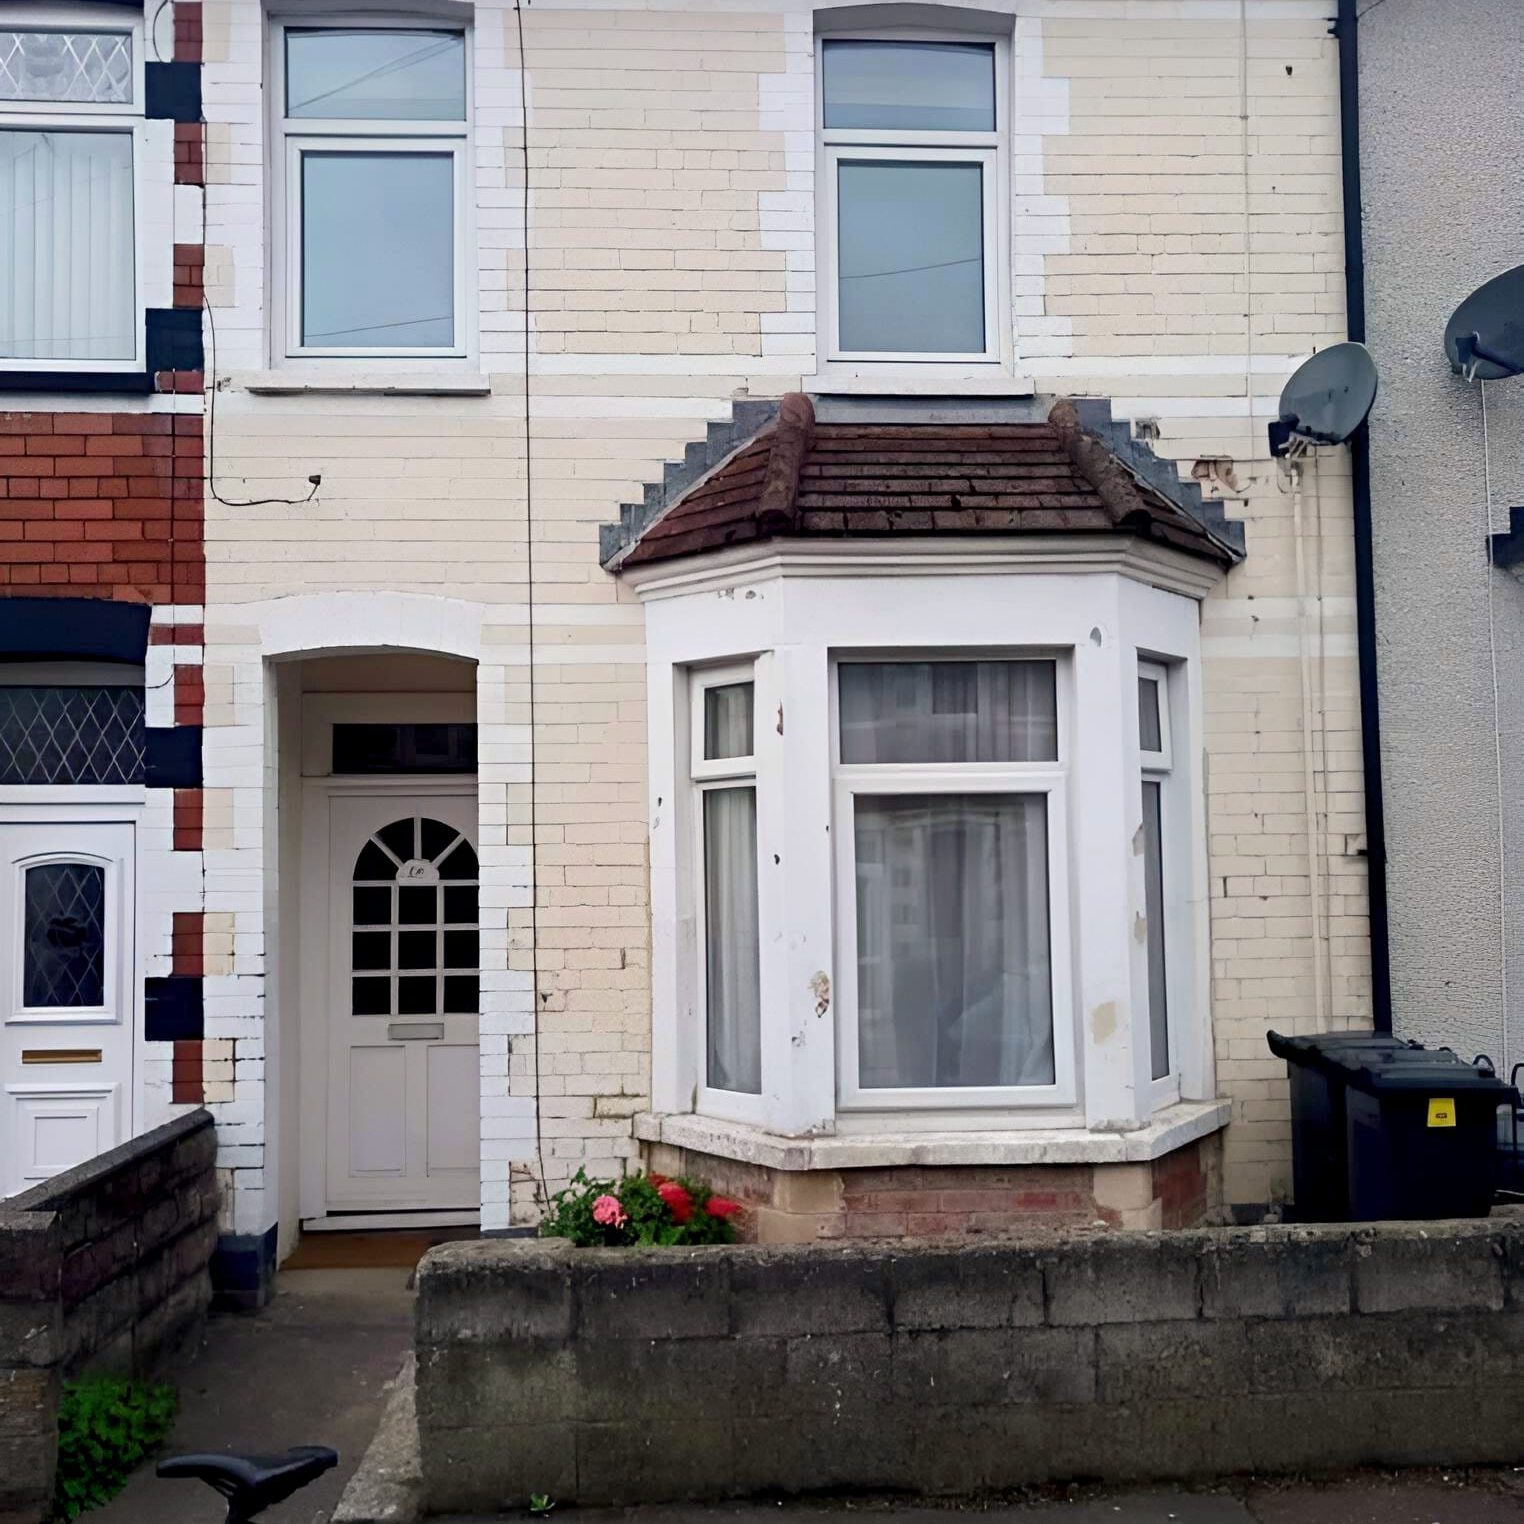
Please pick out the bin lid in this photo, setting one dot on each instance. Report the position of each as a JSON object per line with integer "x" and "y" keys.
{"x": 1377, "y": 1064}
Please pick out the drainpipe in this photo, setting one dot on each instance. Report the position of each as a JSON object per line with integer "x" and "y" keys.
{"x": 1346, "y": 30}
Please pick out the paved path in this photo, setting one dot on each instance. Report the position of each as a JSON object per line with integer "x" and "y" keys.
{"x": 309, "y": 1369}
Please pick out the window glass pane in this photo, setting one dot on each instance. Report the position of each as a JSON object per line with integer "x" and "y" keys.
{"x": 350, "y": 74}
{"x": 71, "y": 735}
{"x": 926, "y": 86}
{"x": 954, "y": 985}
{"x": 66, "y": 246}
{"x": 93, "y": 67}
{"x": 64, "y": 936}
{"x": 1150, "y": 732}
{"x": 728, "y": 721}
{"x": 910, "y": 256}
{"x": 1153, "y": 876}
{"x": 378, "y": 250}
{"x": 406, "y": 748}
{"x": 732, "y": 966}
{"x": 949, "y": 711}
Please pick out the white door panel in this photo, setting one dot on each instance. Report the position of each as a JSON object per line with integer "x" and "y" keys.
{"x": 67, "y": 995}
{"x": 402, "y": 998}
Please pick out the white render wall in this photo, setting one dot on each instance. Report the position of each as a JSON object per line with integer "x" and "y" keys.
{"x": 1176, "y": 246}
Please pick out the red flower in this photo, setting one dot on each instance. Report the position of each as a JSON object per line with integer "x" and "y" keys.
{"x": 655, "y": 1179}
{"x": 679, "y": 1202}
{"x": 722, "y": 1207}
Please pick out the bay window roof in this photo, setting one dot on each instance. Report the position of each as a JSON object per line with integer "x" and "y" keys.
{"x": 803, "y": 479}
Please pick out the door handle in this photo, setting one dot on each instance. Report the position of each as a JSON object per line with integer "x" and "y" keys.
{"x": 415, "y": 1031}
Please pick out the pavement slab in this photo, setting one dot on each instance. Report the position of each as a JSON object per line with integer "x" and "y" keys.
{"x": 310, "y": 1369}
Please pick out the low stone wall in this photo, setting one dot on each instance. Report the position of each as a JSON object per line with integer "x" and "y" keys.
{"x": 103, "y": 1268}
{"x": 628, "y": 1376}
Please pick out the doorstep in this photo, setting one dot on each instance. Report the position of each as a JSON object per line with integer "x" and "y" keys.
{"x": 1172, "y": 1128}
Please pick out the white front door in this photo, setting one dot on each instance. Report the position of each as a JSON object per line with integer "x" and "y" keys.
{"x": 403, "y": 990}
{"x": 67, "y": 996}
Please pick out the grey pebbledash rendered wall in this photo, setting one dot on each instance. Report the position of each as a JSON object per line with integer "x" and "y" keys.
{"x": 1442, "y": 169}
{"x": 629, "y": 1376}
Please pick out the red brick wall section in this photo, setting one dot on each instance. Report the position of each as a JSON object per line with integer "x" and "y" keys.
{"x": 186, "y": 1072}
{"x": 926, "y": 1203}
{"x": 190, "y": 153}
{"x": 188, "y": 817}
{"x": 187, "y": 31}
{"x": 190, "y": 263}
{"x": 102, "y": 505}
{"x": 190, "y": 695}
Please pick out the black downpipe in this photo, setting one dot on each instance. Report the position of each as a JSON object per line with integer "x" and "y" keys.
{"x": 1346, "y": 30}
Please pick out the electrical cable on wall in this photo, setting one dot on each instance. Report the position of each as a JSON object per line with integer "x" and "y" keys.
{"x": 534, "y": 835}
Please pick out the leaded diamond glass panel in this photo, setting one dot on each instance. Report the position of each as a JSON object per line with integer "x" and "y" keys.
{"x": 64, "y": 957}
{"x": 71, "y": 735}
{"x": 93, "y": 68}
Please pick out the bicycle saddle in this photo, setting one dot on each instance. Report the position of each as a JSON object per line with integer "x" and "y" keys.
{"x": 253, "y": 1483}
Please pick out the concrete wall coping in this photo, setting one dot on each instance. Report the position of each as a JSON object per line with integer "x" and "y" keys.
{"x": 1172, "y": 1128}
{"x": 47, "y": 1194}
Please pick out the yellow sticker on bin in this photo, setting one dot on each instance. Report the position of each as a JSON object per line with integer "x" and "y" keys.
{"x": 1441, "y": 1111}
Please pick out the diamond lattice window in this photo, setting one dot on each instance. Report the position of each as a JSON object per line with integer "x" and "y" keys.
{"x": 64, "y": 961}
{"x": 89, "y": 68}
{"x": 71, "y": 735}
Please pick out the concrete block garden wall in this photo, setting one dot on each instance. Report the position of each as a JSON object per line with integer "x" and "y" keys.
{"x": 626, "y": 1376}
{"x": 103, "y": 1268}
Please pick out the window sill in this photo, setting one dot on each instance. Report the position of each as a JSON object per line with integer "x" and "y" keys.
{"x": 849, "y": 380}
{"x": 1172, "y": 1128}
{"x": 281, "y": 383}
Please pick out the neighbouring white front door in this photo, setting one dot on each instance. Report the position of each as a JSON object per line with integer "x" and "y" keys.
{"x": 67, "y": 996}
{"x": 403, "y": 980}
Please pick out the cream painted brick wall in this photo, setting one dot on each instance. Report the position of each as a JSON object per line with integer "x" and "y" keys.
{"x": 1175, "y": 246}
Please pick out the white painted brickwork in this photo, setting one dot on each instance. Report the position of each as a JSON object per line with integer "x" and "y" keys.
{"x": 1175, "y": 246}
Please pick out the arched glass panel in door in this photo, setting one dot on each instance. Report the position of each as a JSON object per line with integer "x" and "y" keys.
{"x": 414, "y": 949}
{"x": 63, "y": 958}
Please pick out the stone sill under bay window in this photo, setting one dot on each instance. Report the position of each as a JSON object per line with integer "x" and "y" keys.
{"x": 1170, "y": 1128}
{"x": 790, "y": 612}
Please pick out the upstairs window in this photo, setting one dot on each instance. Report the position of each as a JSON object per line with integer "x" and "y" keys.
{"x": 911, "y": 135}
{"x": 70, "y": 105}
{"x": 374, "y": 126}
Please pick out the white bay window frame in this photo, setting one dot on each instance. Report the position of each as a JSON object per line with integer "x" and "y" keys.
{"x": 791, "y": 613}
{"x": 1046, "y": 780}
{"x": 296, "y": 137}
{"x": 989, "y": 150}
{"x": 117, "y": 117}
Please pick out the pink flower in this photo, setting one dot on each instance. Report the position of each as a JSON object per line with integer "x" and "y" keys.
{"x": 608, "y": 1213}
{"x": 679, "y": 1202}
{"x": 722, "y": 1207}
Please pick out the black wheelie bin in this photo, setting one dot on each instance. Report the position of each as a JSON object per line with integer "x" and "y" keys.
{"x": 1384, "y": 1129}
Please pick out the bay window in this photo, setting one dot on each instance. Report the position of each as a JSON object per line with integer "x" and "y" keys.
{"x": 374, "y": 189}
{"x": 70, "y": 118}
{"x": 937, "y": 861}
{"x": 911, "y": 134}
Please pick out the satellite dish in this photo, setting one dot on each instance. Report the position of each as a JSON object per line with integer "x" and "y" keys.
{"x": 1326, "y": 400}
{"x": 1485, "y": 337}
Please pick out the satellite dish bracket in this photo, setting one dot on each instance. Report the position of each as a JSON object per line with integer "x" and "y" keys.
{"x": 1470, "y": 353}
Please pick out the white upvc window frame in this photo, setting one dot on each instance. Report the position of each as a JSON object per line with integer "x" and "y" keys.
{"x": 294, "y": 137}
{"x": 125, "y": 117}
{"x": 1157, "y": 767}
{"x": 990, "y": 150}
{"x": 708, "y": 775}
{"x": 1047, "y": 778}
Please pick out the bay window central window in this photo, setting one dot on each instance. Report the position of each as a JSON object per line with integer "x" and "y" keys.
{"x": 949, "y": 793}
{"x": 910, "y": 133}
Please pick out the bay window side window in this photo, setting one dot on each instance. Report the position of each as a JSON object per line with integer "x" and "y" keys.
{"x": 724, "y": 777}
{"x": 1155, "y": 756}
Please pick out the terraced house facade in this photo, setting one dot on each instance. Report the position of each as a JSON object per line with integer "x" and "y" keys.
{"x": 749, "y": 620}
